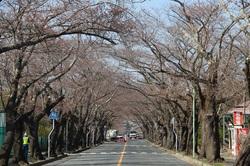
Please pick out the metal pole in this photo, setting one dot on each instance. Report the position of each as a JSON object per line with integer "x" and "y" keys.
{"x": 53, "y": 127}
{"x": 176, "y": 142}
{"x": 194, "y": 96}
{"x": 66, "y": 135}
{"x": 223, "y": 123}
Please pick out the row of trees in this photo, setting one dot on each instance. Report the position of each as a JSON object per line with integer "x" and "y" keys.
{"x": 49, "y": 59}
{"x": 52, "y": 54}
{"x": 199, "y": 47}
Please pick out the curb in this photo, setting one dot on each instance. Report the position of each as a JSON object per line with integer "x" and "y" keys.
{"x": 191, "y": 160}
{"x": 52, "y": 159}
{"x": 81, "y": 150}
{"x": 42, "y": 162}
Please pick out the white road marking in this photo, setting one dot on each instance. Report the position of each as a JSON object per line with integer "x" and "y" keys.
{"x": 105, "y": 153}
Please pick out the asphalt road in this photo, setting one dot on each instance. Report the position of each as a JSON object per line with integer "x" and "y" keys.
{"x": 133, "y": 153}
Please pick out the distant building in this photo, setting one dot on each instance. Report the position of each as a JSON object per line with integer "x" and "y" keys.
{"x": 243, "y": 108}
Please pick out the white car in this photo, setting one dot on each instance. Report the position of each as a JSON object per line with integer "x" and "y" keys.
{"x": 133, "y": 135}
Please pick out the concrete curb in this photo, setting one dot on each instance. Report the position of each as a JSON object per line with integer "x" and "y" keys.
{"x": 81, "y": 150}
{"x": 52, "y": 159}
{"x": 42, "y": 162}
{"x": 190, "y": 160}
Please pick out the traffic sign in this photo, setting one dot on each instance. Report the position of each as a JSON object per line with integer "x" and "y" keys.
{"x": 54, "y": 115}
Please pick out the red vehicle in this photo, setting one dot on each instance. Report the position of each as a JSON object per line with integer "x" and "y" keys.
{"x": 120, "y": 138}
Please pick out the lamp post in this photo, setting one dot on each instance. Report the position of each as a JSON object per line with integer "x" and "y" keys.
{"x": 194, "y": 96}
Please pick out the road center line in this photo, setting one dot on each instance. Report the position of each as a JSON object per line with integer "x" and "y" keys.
{"x": 122, "y": 155}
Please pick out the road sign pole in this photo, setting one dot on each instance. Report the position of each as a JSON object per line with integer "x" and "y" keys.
{"x": 176, "y": 137}
{"x": 53, "y": 127}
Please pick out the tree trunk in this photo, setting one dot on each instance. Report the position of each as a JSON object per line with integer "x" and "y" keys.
{"x": 170, "y": 138}
{"x": 244, "y": 156}
{"x": 18, "y": 144}
{"x": 33, "y": 125}
{"x": 210, "y": 127}
{"x": 183, "y": 138}
{"x": 88, "y": 138}
{"x": 9, "y": 137}
{"x": 60, "y": 141}
{"x": 164, "y": 138}
{"x": 203, "y": 139}
{"x": 212, "y": 138}
{"x": 77, "y": 138}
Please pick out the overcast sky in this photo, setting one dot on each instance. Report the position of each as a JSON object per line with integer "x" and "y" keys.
{"x": 153, "y": 4}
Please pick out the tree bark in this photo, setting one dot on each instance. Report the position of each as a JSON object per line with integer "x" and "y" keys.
{"x": 244, "y": 156}
{"x": 212, "y": 138}
{"x": 170, "y": 138}
{"x": 18, "y": 144}
{"x": 33, "y": 125}
{"x": 183, "y": 138}
{"x": 60, "y": 141}
{"x": 9, "y": 137}
{"x": 164, "y": 138}
{"x": 77, "y": 137}
{"x": 210, "y": 127}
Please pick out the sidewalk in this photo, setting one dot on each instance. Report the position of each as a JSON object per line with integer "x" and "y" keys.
{"x": 229, "y": 158}
{"x": 51, "y": 159}
{"x": 48, "y": 160}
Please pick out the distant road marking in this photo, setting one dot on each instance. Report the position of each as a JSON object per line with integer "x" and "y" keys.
{"x": 122, "y": 155}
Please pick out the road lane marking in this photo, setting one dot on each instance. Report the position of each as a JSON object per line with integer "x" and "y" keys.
{"x": 122, "y": 155}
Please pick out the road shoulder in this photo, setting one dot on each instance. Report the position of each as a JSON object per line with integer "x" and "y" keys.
{"x": 190, "y": 159}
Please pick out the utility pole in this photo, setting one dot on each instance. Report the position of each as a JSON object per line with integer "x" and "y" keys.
{"x": 194, "y": 96}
